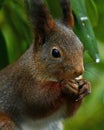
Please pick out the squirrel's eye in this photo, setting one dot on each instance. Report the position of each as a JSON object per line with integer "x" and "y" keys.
{"x": 56, "y": 53}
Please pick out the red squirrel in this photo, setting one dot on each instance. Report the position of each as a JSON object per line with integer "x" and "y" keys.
{"x": 41, "y": 88}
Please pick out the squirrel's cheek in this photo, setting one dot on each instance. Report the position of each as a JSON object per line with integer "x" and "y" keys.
{"x": 50, "y": 84}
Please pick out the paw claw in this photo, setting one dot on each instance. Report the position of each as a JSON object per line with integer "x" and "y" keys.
{"x": 84, "y": 89}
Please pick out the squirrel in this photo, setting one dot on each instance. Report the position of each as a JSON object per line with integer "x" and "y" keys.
{"x": 42, "y": 88}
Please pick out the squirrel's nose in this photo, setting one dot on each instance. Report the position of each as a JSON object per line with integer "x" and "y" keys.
{"x": 77, "y": 71}
{"x": 74, "y": 71}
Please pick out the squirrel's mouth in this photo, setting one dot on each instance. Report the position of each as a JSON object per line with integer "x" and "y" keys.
{"x": 78, "y": 78}
{"x": 75, "y": 82}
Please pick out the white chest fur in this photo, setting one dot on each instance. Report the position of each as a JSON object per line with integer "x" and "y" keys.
{"x": 53, "y": 122}
{"x": 57, "y": 125}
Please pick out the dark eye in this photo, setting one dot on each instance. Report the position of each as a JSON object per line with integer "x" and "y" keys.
{"x": 56, "y": 53}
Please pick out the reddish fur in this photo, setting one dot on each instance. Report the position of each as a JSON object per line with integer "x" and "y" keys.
{"x": 6, "y": 122}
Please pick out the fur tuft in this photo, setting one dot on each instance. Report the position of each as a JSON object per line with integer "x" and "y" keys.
{"x": 41, "y": 19}
{"x": 67, "y": 13}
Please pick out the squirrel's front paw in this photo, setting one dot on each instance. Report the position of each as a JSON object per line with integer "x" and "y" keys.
{"x": 77, "y": 89}
{"x": 84, "y": 89}
{"x": 69, "y": 88}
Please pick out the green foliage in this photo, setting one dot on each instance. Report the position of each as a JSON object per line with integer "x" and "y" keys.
{"x": 99, "y": 29}
{"x": 14, "y": 30}
{"x": 16, "y": 36}
{"x": 92, "y": 12}
{"x": 83, "y": 28}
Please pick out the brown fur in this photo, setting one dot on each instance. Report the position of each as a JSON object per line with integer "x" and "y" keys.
{"x": 35, "y": 85}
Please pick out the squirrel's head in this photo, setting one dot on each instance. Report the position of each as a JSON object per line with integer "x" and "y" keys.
{"x": 61, "y": 54}
{"x": 58, "y": 50}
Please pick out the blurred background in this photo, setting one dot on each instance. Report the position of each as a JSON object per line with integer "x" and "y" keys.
{"x": 16, "y": 36}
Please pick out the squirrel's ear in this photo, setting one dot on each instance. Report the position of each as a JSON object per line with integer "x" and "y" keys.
{"x": 41, "y": 19}
{"x": 68, "y": 18}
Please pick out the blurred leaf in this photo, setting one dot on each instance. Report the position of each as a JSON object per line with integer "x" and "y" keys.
{"x": 12, "y": 11}
{"x": 99, "y": 29}
{"x": 15, "y": 28}
{"x": 1, "y": 3}
{"x": 3, "y": 52}
{"x": 14, "y": 49}
{"x": 84, "y": 29}
{"x": 92, "y": 12}
{"x": 54, "y": 7}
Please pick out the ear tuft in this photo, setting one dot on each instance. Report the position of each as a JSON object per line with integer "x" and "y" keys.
{"x": 41, "y": 19}
{"x": 68, "y": 18}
